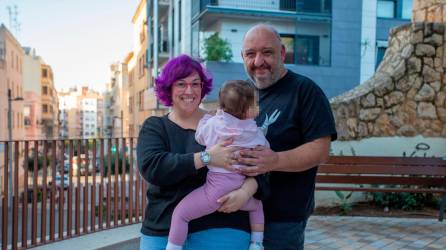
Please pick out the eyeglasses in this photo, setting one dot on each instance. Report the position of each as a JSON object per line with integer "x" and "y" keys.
{"x": 184, "y": 85}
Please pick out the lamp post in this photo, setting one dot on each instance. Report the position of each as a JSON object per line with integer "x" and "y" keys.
{"x": 121, "y": 118}
{"x": 10, "y": 100}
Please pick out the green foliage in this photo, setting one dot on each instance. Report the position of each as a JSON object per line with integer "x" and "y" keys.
{"x": 405, "y": 201}
{"x": 106, "y": 167}
{"x": 217, "y": 49}
{"x": 39, "y": 163}
{"x": 346, "y": 206}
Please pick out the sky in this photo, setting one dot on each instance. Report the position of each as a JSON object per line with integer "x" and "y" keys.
{"x": 79, "y": 39}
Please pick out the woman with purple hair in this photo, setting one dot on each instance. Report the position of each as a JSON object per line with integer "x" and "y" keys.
{"x": 173, "y": 164}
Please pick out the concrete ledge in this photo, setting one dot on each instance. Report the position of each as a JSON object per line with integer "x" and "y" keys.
{"x": 126, "y": 237}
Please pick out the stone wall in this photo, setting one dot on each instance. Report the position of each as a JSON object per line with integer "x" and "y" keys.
{"x": 407, "y": 94}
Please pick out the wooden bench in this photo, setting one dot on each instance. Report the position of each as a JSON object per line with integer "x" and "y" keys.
{"x": 375, "y": 174}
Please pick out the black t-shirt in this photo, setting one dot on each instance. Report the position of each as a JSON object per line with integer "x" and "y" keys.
{"x": 305, "y": 115}
{"x": 165, "y": 160}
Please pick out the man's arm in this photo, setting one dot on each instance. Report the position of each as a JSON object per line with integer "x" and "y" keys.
{"x": 304, "y": 157}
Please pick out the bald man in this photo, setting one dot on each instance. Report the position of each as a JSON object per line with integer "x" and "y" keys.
{"x": 299, "y": 124}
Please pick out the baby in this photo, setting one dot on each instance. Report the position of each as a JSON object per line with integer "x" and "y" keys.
{"x": 234, "y": 119}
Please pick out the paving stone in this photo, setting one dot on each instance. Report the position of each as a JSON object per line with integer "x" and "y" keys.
{"x": 375, "y": 233}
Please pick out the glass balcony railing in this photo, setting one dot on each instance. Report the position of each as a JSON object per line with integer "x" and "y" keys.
{"x": 299, "y": 6}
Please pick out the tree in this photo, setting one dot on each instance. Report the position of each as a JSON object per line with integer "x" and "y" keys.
{"x": 217, "y": 49}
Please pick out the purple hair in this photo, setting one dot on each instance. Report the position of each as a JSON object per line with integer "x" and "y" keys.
{"x": 177, "y": 68}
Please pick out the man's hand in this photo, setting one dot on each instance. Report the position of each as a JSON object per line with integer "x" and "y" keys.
{"x": 258, "y": 160}
{"x": 222, "y": 155}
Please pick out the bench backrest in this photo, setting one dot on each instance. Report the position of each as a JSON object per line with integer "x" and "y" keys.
{"x": 383, "y": 170}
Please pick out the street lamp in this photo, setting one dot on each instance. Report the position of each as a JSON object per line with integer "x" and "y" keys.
{"x": 122, "y": 123}
{"x": 10, "y": 100}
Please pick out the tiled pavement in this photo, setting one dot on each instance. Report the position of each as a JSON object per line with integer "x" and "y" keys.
{"x": 341, "y": 232}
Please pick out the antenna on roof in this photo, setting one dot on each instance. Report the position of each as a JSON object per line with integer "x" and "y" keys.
{"x": 14, "y": 24}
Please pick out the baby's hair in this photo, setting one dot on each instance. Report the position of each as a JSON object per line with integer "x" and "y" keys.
{"x": 236, "y": 97}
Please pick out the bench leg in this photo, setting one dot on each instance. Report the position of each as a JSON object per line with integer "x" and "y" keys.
{"x": 442, "y": 207}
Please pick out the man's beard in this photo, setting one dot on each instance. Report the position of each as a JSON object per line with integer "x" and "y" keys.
{"x": 264, "y": 82}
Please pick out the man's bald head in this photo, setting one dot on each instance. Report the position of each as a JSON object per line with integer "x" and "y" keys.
{"x": 263, "y": 27}
{"x": 263, "y": 55}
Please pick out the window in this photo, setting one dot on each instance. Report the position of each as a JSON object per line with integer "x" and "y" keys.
{"x": 45, "y": 90}
{"x": 131, "y": 105}
{"x": 12, "y": 59}
{"x": 406, "y": 12}
{"x": 381, "y": 47}
{"x": 288, "y": 41}
{"x": 131, "y": 77}
{"x": 312, "y": 6}
{"x": 386, "y": 8}
{"x": 141, "y": 100}
{"x": 44, "y": 73}
{"x": 307, "y": 50}
{"x": 45, "y": 108}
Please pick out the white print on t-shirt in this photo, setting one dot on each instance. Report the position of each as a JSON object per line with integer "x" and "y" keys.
{"x": 269, "y": 120}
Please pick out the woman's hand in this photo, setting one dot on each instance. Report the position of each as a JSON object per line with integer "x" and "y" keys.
{"x": 233, "y": 201}
{"x": 224, "y": 156}
{"x": 236, "y": 199}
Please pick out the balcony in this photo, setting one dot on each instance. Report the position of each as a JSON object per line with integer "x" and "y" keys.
{"x": 263, "y": 7}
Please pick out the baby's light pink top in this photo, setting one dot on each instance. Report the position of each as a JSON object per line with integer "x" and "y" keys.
{"x": 214, "y": 129}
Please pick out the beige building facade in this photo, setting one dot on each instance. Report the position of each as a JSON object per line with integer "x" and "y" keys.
{"x": 81, "y": 111}
{"x": 11, "y": 90}
{"x": 32, "y": 109}
{"x": 50, "y": 103}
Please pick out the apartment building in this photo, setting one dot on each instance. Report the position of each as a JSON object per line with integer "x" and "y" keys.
{"x": 11, "y": 96}
{"x": 50, "y": 103}
{"x": 336, "y": 43}
{"x": 117, "y": 99}
{"x": 81, "y": 111}
{"x": 32, "y": 110}
{"x": 11, "y": 68}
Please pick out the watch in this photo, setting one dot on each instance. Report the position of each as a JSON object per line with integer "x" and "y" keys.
{"x": 205, "y": 157}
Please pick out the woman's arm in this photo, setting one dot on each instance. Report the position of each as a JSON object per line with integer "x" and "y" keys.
{"x": 157, "y": 164}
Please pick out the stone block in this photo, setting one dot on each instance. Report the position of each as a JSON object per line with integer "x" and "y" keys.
{"x": 368, "y": 101}
{"x": 425, "y": 50}
{"x": 426, "y": 110}
{"x": 440, "y": 100}
{"x": 436, "y": 126}
{"x": 428, "y": 61}
{"x": 369, "y": 114}
{"x": 436, "y": 85}
{"x": 417, "y": 37}
{"x": 437, "y": 63}
{"x": 403, "y": 84}
{"x": 393, "y": 98}
{"x": 425, "y": 94}
{"x": 444, "y": 57}
{"x": 430, "y": 75}
{"x": 416, "y": 26}
{"x": 435, "y": 40}
{"x": 399, "y": 70}
{"x": 407, "y": 51}
{"x": 441, "y": 114}
{"x": 407, "y": 130}
{"x": 383, "y": 85}
{"x": 414, "y": 64}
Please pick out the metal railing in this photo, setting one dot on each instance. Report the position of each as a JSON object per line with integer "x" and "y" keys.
{"x": 65, "y": 188}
